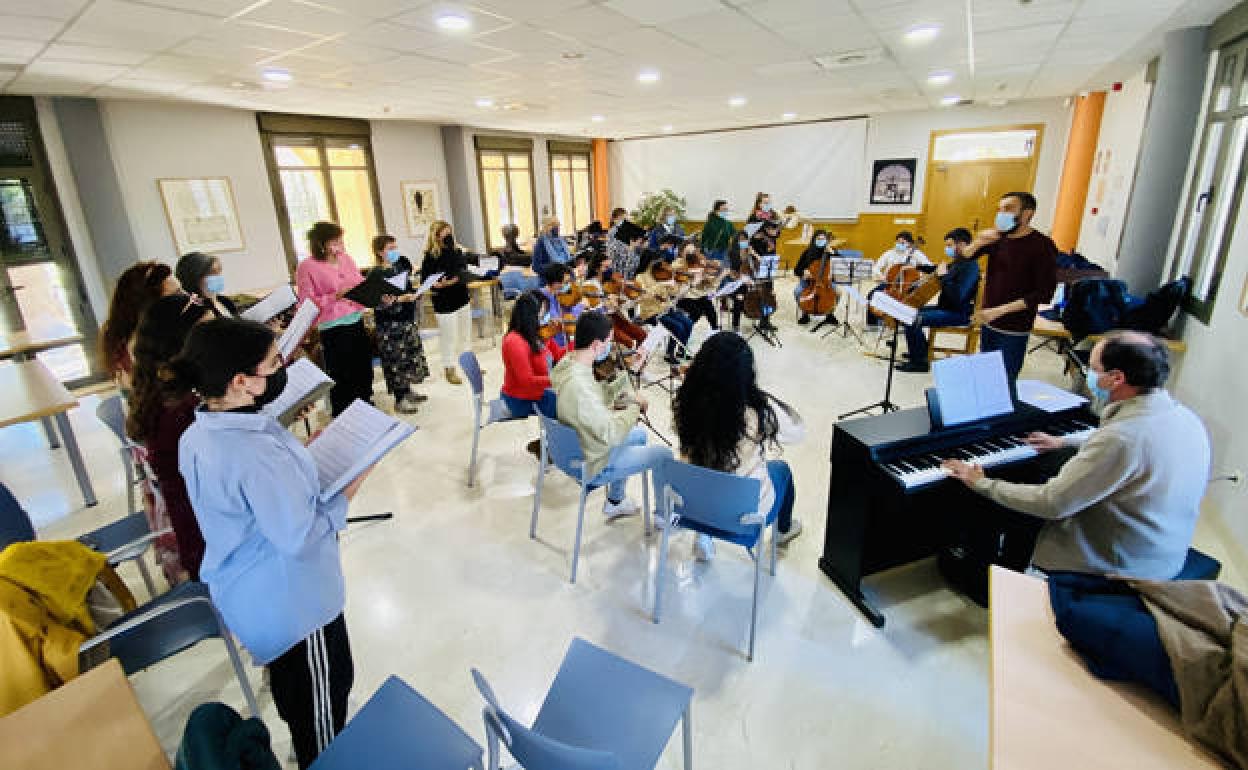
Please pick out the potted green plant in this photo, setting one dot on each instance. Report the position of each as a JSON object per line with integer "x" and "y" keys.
{"x": 651, "y": 206}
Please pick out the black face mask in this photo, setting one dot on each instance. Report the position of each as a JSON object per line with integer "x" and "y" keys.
{"x": 448, "y": 242}
{"x": 274, "y": 384}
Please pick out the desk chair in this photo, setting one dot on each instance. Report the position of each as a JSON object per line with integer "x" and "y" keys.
{"x": 602, "y": 712}
{"x": 112, "y": 412}
{"x": 496, "y": 410}
{"x": 515, "y": 283}
{"x": 722, "y": 505}
{"x": 970, "y": 333}
{"x": 562, "y": 448}
{"x": 399, "y": 730}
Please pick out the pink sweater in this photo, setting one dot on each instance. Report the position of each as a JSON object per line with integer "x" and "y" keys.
{"x": 321, "y": 281}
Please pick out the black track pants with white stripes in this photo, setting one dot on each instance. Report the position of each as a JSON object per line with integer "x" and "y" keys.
{"x": 310, "y": 683}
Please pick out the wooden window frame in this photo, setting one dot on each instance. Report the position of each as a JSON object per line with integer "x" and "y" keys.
{"x": 505, "y": 147}
{"x": 568, "y": 150}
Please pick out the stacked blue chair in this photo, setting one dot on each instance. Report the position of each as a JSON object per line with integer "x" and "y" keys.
{"x": 602, "y": 712}
{"x": 722, "y": 505}
{"x": 562, "y": 448}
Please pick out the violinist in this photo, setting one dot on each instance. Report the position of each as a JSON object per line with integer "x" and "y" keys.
{"x": 602, "y": 293}
{"x": 805, "y": 270}
{"x": 556, "y": 283}
{"x": 666, "y": 252}
{"x": 622, "y": 248}
{"x": 742, "y": 263}
{"x": 959, "y": 281}
{"x": 764, "y": 245}
{"x": 703, "y": 274}
{"x": 528, "y": 358}
{"x": 658, "y": 306}
{"x": 903, "y": 253}
{"x": 667, "y": 227}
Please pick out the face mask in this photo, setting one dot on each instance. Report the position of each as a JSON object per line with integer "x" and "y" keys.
{"x": 545, "y": 318}
{"x": 901, "y": 248}
{"x": 743, "y": 245}
{"x": 670, "y": 220}
{"x": 821, "y": 242}
{"x": 1005, "y": 221}
{"x": 554, "y": 232}
{"x": 564, "y": 289}
{"x": 392, "y": 256}
{"x": 214, "y": 284}
{"x": 722, "y": 214}
{"x": 765, "y": 207}
{"x": 1099, "y": 393}
{"x": 274, "y": 384}
{"x": 605, "y": 352}
{"x": 448, "y": 242}
{"x": 951, "y": 251}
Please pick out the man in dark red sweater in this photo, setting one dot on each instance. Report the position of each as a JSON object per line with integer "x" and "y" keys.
{"x": 1021, "y": 276}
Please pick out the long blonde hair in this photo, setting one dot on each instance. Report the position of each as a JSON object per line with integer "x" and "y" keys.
{"x": 432, "y": 244}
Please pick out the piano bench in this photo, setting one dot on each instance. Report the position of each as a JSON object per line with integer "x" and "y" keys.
{"x": 1199, "y": 566}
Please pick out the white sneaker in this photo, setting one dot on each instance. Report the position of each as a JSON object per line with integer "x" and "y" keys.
{"x": 618, "y": 510}
{"x": 703, "y": 548}
{"x": 784, "y": 538}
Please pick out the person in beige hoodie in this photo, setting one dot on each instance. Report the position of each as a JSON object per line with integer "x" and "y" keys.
{"x": 604, "y": 415}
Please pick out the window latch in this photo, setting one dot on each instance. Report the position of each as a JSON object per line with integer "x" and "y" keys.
{"x": 1203, "y": 198}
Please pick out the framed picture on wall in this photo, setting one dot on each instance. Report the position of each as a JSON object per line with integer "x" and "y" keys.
{"x": 202, "y": 214}
{"x": 892, "y": 181}
{"x": 420, "y": 208}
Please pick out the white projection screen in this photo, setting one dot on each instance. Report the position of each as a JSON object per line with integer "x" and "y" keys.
{"x": 817, "y": 167}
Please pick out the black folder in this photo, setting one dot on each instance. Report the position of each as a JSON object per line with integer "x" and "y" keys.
{"x": 370, "y": 291}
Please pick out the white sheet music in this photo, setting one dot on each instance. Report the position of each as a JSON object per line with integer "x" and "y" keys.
{"x": 853, "y": 292}
{"x": 972, "y": 387}
{"x": 398, "y": 281}
{"x": 356, "y": 439}
{"x": 290, "y": 340}
{"x": 477, "y": 270}
{"x": 654, "y": 338}
{"x": 893, "y": 309}
{"x": 1048, "y": 397}
{"x": 727, "y": 289}
{"x": 488, "y": 264}
{"x": 428, "y": 283}
{"x": 752, "y": 228}
{"x": 278, "y": 300}
{"x": 302, "y": 378}
{"x": 768, "y": 265}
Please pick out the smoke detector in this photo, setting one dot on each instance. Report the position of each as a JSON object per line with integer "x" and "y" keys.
{"x": 847, "y": 59}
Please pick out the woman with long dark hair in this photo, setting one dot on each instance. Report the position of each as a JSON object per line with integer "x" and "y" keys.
{"x": 808, "y": 265}
{"x": 158, "y": 418}
{"x": 325, "y": 277}
{"x": 271, "y": 563}
{"x": 137, "y": 288}
{"x": 725, "y": 422}
{"x": 527, "y": 358}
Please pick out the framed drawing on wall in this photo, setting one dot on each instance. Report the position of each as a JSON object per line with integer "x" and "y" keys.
{"x": 892, "y": 181}
{"x": 202, "y": 215}
{"x": 420, "y": 208}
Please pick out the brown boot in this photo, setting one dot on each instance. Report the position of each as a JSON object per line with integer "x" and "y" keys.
{"x": 452, "y": 376}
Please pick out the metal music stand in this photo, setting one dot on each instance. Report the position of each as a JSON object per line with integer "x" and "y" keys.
{"x": 847, "y": 328}
{"x": 895, "y": 310}
{"x": 771, "y": 262}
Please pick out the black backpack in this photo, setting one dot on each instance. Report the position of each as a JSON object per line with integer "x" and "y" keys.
{"x": 1095, "y": 305}
{"x": 1154, "y": 313}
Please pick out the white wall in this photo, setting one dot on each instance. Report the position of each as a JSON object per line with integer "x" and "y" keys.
{"x": 1113, "y": 172}
{"x": 407, "y": 152}
{"x": 907, "y": 135}
{"x": 153, "y": 140}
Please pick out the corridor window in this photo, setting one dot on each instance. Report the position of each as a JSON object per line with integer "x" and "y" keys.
{"x": 572, "y": 185}
{"x": 507, "y": 196}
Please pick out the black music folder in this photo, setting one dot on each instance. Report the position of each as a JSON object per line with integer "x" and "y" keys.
{"x": 370, "y": 291}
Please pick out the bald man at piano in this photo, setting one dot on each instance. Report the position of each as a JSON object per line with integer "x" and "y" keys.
{"x": 1127, "y": 502}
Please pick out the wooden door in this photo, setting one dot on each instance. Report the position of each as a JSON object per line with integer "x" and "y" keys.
{"x": 965, "y": 194}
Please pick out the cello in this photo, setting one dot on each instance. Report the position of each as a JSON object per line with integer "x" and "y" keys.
{"x": 822, "y": 297}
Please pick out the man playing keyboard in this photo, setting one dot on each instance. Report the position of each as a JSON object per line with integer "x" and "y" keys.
{"x": 1126, "y": 503}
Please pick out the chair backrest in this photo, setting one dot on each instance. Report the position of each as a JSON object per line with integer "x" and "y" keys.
{"x": 711, "y": 497}
{"x": 472, "y": 370}
{"x": 515, "y": 282}
{"x": 15, "y": 523}
{"x": 532, "y": 749}
{"x": 112, "y": 412}
{"x": 851, "y": 253}
{"x": 563, "y": 445}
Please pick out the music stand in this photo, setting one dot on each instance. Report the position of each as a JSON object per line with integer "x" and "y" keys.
{"x": 901, "y": 314}
{"x": 767, "y": 266}
{"x": 850, "y": 287}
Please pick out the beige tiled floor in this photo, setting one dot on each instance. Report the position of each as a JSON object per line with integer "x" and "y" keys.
{"x": 454, "y": 581}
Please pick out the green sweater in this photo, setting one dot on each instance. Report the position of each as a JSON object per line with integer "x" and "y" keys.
{"x": 717, "y": 233}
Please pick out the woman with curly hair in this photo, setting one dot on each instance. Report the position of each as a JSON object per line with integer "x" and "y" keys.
{"x": 725, "y": 422}
{"x": 137, "y": 288}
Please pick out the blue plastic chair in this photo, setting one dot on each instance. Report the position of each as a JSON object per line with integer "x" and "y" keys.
{"x": 851, "y": 253}
{"x": 722, "y": 505}
{"x": 176, "y": 621}
{"x": 495, "y": 410}
{"x": 602, "y": 712}
{"x": 562, "y": 448}
{"x": 399, "y": 730}
{"x": 515, "y": 283}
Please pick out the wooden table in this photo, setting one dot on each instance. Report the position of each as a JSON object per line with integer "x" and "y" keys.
{"x": 91, "y": 721}
{"x": 1048, "y": 711}
{"x": 29, "y": 391}
{"x": 1056, "y": 330}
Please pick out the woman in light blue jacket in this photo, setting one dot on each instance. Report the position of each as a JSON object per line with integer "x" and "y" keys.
{"x": 271, "y": 559}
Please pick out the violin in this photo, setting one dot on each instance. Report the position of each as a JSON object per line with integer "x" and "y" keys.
{"x": 550, "y": 330}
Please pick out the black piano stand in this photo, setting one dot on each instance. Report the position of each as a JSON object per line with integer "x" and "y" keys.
{"x": 853, "y": 592}
{"x": 885, "y": 405}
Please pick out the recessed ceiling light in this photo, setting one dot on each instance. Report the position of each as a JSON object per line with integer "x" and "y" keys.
{"x": 789, "y": 115}
{"x": 667, "y": 128}
{"x": 736, "y": 101}
{"x": 452, "y": 22}
{"x": 485, "y": 103}
{"x": 922, "y": 33}
{"x": 950, "y": 100}
{"x": 277, "y": 75}
{"x": 572, "y": 55}
{"x": 648, "y": 76}
{"x": 238, "y": 84}
{"x": 597, "y": 118}
{"x": 940, "y": 78}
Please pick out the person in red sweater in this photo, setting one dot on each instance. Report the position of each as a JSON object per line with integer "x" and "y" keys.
{"x": 527, "y": 360}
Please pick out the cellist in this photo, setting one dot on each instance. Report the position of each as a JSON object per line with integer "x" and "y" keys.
{"x": 903, "y": 253}
{"x": 806, "y": 268}
{"x": 959, "y": 281}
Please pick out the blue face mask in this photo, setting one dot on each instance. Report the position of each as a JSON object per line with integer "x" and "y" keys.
{"x": 901, "y": 247}
{"x": 564, "y": 289}
{"x": 1099, "y": 393}
{"x": 670, "y": 220}
{"x": 605, "y": 352}
{"x": 392, "y": 256}
{"x": 545, "y": 318}
{"x": 214, "y": 284}
{"x": 723, "y": 214}
{"x": 821, "y": 242}
{"x": 765, "y": 207}
{"x": 951, "y": 251}
{"x": 1005, "y": 221}
{"x": 743, "y": 245}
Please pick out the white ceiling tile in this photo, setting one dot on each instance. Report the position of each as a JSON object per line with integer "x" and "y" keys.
{"x": 139, "y": 27}
{"x": 218, "y": 8}
{"x": 1152, "y": 8}
{"x": 94, "y": 54}
{"x": 482, "y": 21}
{"x": 63, "y": 10}
{"x": 403, "y": 39}
{"x": 87, "y": 73}
{"x": 654, "y": 12}
{"x": 18, "y": 51}
{"x": 28, "y": 28}
{"x": 168, "y": 67}
{"x": 586, "y": 24}
{"x": 225, "y": 51}
{"x": 133, "y": 88}
{"x": 310, "y": 19}
{"x": 466, "y": 52}
{"x": 989, "y": 17}
{"x": 29, "y": 84}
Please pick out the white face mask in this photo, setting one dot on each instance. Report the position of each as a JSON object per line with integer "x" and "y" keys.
{"x": 605, "y": 352}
